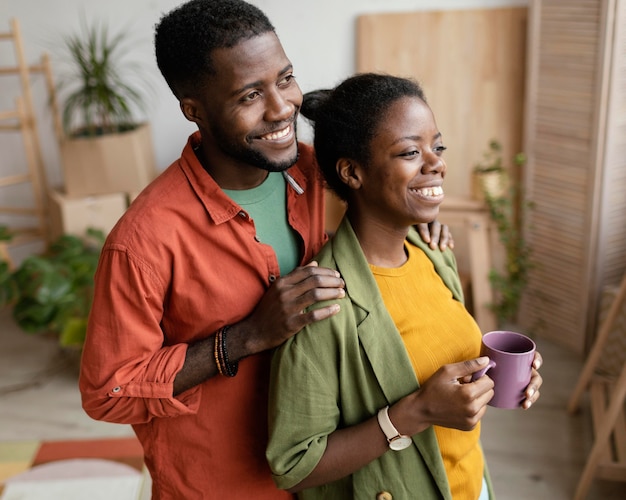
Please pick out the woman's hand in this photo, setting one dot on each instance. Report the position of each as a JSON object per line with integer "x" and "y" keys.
{"x": 532, "y": 391}
{"x": 447, "y": 399}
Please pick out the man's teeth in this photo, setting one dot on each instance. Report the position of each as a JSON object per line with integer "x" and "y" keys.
{"x": 431, "y": 191}
{"x": 276, "y": 135}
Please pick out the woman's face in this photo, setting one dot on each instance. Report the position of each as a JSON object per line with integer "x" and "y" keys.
{"x": 402, "y": 184}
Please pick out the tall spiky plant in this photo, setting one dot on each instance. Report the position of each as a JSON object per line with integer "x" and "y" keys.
{"x": 97, "y": 96}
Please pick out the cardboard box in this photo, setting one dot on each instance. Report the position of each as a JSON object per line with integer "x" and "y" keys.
{"x": 110, "y": 163}
{"x": 71, "y": 215}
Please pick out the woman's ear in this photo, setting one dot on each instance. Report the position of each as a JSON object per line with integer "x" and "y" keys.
{"x": 191, "y": 110}
{"x": 348, "y": 172}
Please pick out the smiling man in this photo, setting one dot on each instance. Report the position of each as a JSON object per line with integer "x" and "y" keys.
{"x": 209, "y": 268}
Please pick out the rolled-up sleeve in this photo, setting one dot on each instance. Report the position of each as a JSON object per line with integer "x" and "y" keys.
{"x": 303, "y": 412}
{"x": 127, "y": 370}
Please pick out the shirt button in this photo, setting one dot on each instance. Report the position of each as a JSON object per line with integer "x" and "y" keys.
{"x": 272, "y": 278}
{"x": 257, "y": 239}
{"x": 116, "y": 389}
{"x": 384, "y": 495}
{"x": 242, "y": 214}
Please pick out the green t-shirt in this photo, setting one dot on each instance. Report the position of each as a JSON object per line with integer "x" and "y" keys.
{"x": 267, "y": 206}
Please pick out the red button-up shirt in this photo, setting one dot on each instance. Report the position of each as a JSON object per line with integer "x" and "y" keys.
{"x": 181, "y": 263}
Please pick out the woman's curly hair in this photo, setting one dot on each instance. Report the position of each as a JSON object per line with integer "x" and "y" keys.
{"x": 347, "y": 117}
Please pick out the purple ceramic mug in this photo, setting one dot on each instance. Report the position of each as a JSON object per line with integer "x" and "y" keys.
{"x": 511, "y": 356}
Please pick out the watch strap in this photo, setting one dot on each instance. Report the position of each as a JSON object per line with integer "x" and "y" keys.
{"x": 396, "y": 440}
{"x": 385, "y": 424}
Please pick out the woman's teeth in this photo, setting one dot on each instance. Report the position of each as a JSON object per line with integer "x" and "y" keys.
{"x": 431, "y": 191}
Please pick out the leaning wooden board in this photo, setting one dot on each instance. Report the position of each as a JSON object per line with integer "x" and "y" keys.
{"x": 471, "y": 64}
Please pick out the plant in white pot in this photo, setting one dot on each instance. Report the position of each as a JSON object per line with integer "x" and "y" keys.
{"x": 104, "y": 148}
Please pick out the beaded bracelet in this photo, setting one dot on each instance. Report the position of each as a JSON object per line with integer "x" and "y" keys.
{"x": 215, "y": 351}
{"x": 224, "y": 366}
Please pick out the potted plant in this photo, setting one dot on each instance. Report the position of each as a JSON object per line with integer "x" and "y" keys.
{"x": 507, "y": 206}
{"x": 490, "y": 176}
{"x": 52, "y": 292}
{"x": 104, "y": 147}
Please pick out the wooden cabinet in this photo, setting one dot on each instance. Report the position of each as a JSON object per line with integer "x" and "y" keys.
{"x": 575, "y": 139}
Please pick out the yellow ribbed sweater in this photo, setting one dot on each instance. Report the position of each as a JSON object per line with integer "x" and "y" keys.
{"x": 436, "y": 330}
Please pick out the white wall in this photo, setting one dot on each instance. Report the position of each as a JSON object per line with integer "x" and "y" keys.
{"x": 318, "y": 36}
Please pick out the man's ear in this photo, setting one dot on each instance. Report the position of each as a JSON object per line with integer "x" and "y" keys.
{"x": 191, "y": 110}
{"x": 348, "y": 172}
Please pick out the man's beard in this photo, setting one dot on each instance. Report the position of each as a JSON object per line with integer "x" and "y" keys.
{"x": 254, "y": 157}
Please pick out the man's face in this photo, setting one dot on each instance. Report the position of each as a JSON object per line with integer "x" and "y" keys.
{"x": 249, "y": 111}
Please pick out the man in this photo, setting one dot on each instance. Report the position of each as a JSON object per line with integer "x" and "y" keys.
{"x": 199, "y": 279}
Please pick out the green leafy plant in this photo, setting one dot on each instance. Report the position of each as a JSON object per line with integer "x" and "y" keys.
{"x": 53, "y": 292}
{"x": 507, "y": 207}
{"x": 97, "y": 94}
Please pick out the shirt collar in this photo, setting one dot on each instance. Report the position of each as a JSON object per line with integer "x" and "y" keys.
{"x": 217, "y": 204}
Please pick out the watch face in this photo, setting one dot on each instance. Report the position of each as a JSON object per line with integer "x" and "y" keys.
{"x": 400, "y": 443}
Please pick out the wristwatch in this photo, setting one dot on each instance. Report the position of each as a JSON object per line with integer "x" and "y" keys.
{"x": 396, "y": 440}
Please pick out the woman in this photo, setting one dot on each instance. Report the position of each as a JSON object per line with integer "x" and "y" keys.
{"x": 377, "y": 401}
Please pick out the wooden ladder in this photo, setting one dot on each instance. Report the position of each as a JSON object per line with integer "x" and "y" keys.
{"x": 607, "y": 459}
{"x": 21, "y": 120}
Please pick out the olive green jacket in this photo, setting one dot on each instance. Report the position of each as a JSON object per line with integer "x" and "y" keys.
{"x": 341, "y": 371}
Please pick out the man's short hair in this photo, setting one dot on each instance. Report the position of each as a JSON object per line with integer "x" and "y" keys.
{"x": 186, "y": 37}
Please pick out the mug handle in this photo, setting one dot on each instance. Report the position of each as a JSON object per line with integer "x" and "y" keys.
{"x": 482, "y": 371}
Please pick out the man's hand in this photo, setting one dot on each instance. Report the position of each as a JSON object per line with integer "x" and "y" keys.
{"x": 280, "y": 313}
{"x": 435, "y": 233}
{"x": 278, "y": 316}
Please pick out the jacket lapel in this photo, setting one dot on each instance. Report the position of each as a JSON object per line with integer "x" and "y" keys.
{"x": 381, "y": 340}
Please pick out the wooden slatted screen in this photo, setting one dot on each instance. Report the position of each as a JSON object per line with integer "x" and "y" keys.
{"x": 576, "y": 167}
{"x": 612, "y": 219}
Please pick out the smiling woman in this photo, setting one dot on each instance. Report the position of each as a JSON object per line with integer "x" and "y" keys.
{"x": 382, "y": 390}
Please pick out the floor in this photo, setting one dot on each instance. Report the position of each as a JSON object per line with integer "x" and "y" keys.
{"x": 536, "y": 454}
